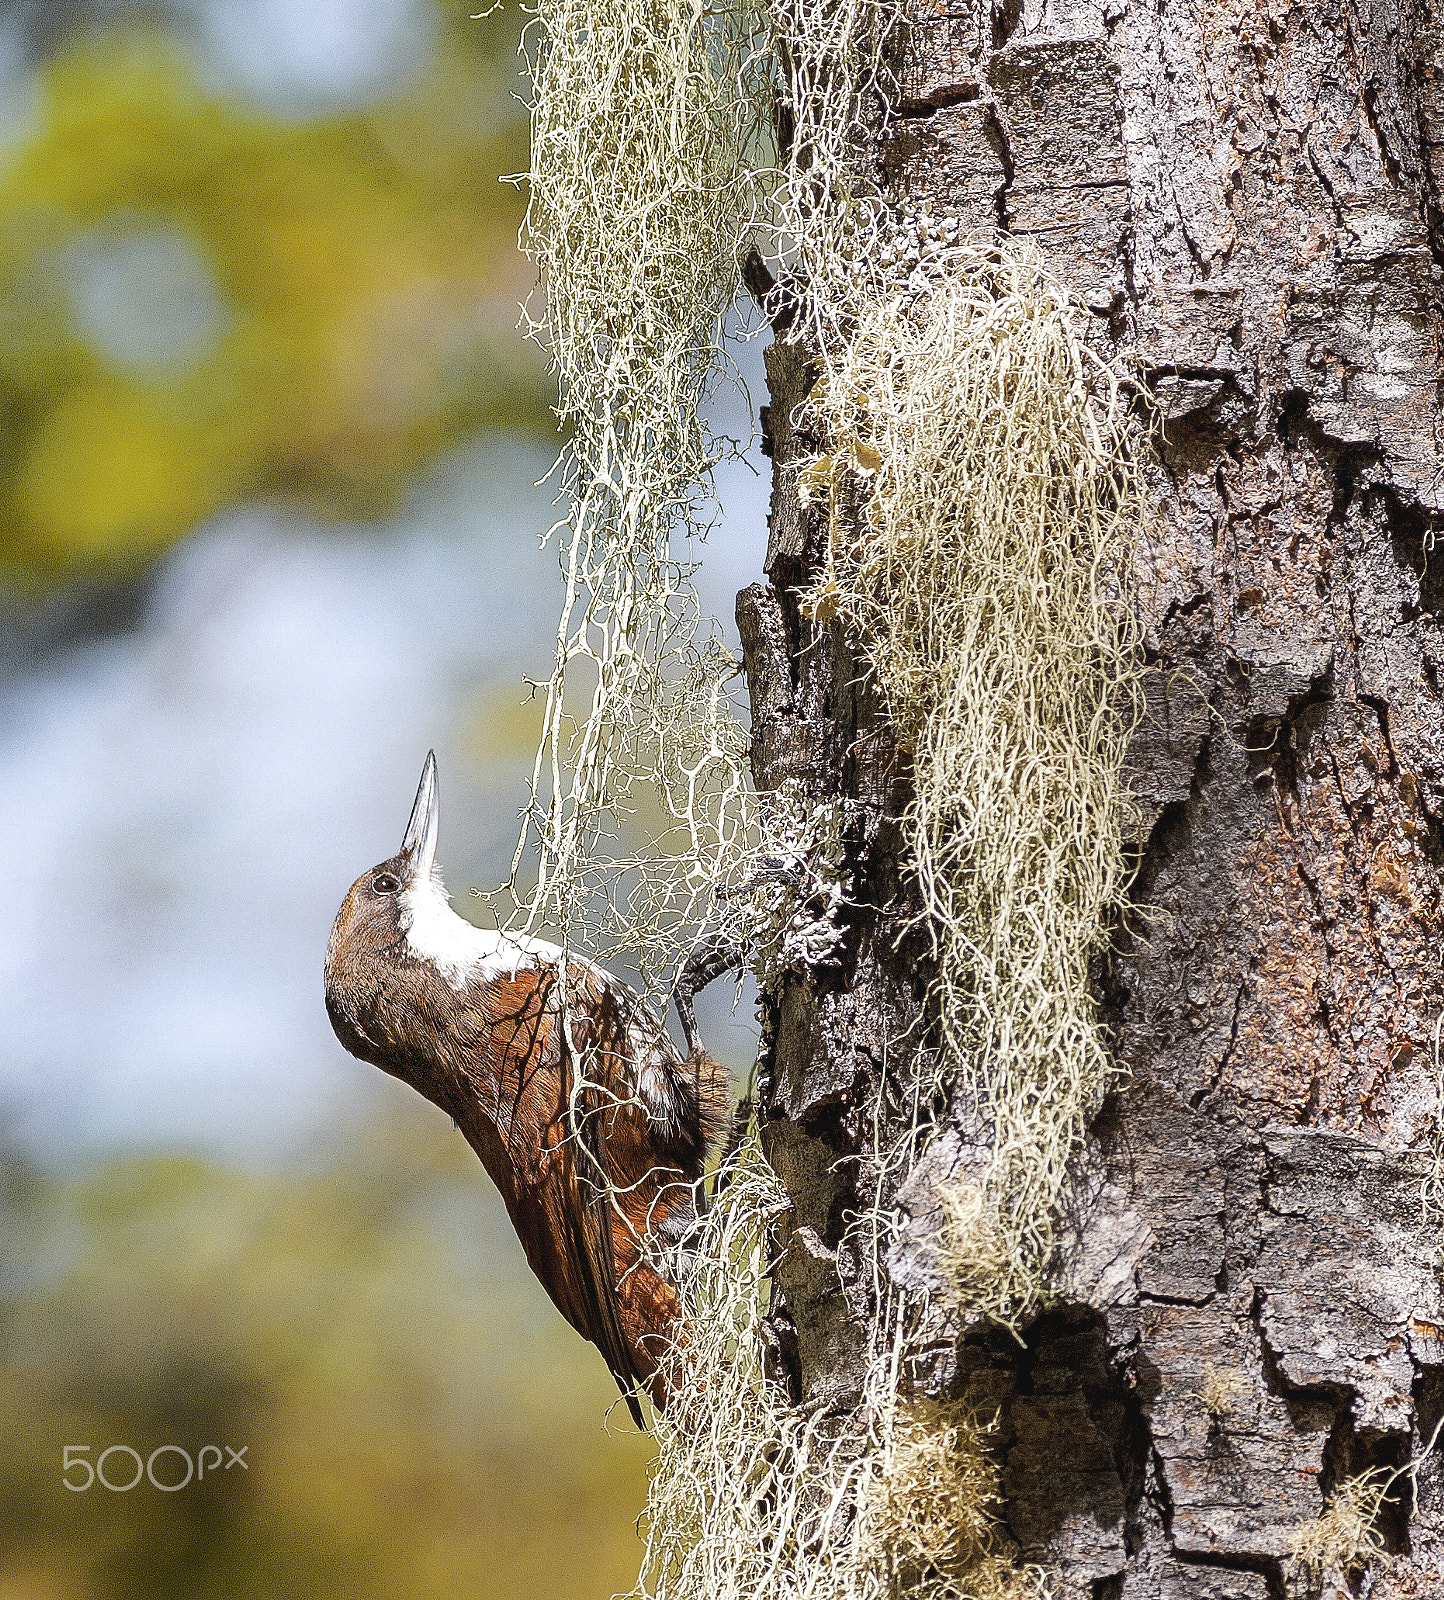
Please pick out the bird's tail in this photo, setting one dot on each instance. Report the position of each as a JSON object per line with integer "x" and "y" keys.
{"x": 714, "y": 1095}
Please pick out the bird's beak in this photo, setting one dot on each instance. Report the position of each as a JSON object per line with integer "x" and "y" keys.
{"x": 419, "y": 845}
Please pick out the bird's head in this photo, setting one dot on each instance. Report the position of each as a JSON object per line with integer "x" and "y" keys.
{"x": 372, "y": 948}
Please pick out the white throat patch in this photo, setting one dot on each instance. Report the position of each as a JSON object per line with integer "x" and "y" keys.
{"x": 434, "y": 933}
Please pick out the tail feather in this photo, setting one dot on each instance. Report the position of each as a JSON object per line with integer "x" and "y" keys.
{"x": 714, "y": 1096}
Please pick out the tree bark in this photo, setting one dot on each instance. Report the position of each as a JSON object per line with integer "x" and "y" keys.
{"x": 1248, "y": 1311}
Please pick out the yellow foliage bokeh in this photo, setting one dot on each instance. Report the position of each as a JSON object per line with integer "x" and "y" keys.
{"x": 106, "y": 467}
{"x": 364, "y": 273}
{"x": 416, "y": 1419}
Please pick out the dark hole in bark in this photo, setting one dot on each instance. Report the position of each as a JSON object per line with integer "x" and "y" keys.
{"x": 1006, "y": 16}
{"x": 1412, "y": 533}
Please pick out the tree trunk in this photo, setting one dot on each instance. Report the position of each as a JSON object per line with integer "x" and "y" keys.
{"x": 1247, "y": 1313}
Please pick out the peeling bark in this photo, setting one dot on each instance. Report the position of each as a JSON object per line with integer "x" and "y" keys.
{"x": 1249, "y": 1303}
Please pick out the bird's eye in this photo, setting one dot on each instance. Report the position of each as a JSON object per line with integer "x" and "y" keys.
{"x": 384, "y": 883}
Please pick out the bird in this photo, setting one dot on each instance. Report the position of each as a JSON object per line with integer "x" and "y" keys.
{"x": 586, "y": 1116}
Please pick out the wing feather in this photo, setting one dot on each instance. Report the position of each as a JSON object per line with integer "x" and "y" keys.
{"x": 589, "y": 1243}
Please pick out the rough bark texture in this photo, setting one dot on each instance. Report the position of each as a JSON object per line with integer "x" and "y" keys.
{"x": 1249, "y": 1305}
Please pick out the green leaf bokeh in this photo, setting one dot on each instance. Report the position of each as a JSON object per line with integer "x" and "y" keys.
{"x": 364, "y": 274}
{"x": 418, "y": 1420}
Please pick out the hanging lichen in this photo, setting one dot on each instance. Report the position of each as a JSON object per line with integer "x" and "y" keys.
{"x": 989, "y": 455}
{"x": 980, "y": 502}
{"x": 753, "y": 1498}
{"x": 645, "y": 128}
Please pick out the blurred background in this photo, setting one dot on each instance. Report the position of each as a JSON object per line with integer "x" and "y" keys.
{"x": 270, "y": 527}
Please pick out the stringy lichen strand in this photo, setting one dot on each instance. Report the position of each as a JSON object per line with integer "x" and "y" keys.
{"x": 753, "y": 1498}
{"x": 980, "y": 501}
{"x": 981, "y": 507}
{"x": 1346, "y": 1537}
{"x": 645, "y": 129}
